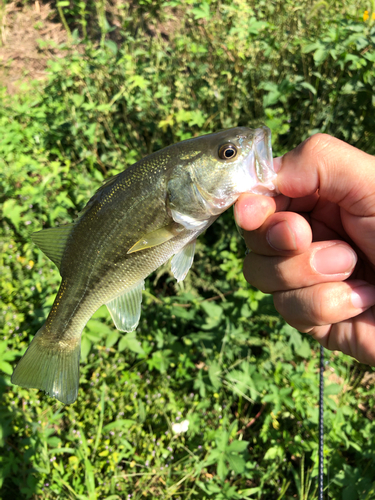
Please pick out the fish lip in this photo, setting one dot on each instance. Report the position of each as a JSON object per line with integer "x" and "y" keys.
{"x": 263, "y": 163}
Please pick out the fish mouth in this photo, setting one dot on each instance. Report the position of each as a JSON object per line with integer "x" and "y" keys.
{"x": 263, "y": 159}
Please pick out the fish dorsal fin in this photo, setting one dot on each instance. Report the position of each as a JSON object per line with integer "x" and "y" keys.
{"x": 52, "y": 241}
{"x": 97, "y": 196}
{"x": 126, "y": 308}
{"x": 157, "y": 237}
{"x": 182, "y": 261}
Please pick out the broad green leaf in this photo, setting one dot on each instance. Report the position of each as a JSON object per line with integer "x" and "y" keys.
{"x": 6, "y": 367}
{"x": 12, "y": 211}
{"x": 274, "y": 452}
{"x": 120, "y": 424}
{"x": 112, "y": 46}
{"x": 129, "y": 341}
{"x": 320, "y": 55}
{"x": 97, "y": 327}
{"x": 78, "y": 99}
{"x": 102, "y": 313}
{"x": 85, "y": 347}
{"x": 214, "y": 315}
{"x": 332, "y": 389}
{"x": 236, "y": 463}
{"x": 237, "y": 446}
{"x": 222, "y": 469}
{"x": 304, "y": 349}
{"x": 350, "y": 493}
{"x": 112, "y": 338}
{"x": 248, "y": 492}
{"x": 308, "y": 86}
{"x": 310, "y": 47}
{"x": 214, "y": 374}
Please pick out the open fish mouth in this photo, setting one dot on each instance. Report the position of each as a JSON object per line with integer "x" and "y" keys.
{"x": 257, "y": 175}
{"x": 263, "y": 163}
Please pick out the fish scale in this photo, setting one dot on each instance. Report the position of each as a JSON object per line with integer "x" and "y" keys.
{"x": 133, "y": 224}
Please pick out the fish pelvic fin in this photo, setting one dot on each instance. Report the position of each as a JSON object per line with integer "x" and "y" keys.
{"x": 182, "y": 261}
{"x": 50, "y": 367}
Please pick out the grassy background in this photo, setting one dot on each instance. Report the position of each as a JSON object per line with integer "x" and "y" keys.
{"x": 134, "y": 78}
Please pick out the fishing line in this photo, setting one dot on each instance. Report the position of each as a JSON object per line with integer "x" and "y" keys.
{"x": 321, "y": 425}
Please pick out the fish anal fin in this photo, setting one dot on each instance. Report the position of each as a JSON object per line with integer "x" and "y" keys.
{"x": 182, "y": 261}
{"x": 50, "y": 367}
{"x": 52, "y": 241}
{"x": 157, "y": 237}
{"x": 126, "y": 308}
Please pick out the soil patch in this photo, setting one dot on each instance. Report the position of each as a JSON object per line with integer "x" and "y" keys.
{"x": 30, "y": 36}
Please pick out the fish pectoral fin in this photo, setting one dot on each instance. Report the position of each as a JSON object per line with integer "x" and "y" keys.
{"x": 157, "y": 237}
{"x": 126, "y": 308}
{"x": 182, "y": 261}
{"x": 52, "y": 241}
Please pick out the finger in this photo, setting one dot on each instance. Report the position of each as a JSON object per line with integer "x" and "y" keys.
{"x": 251, "y": 210}
{"x": 324, "y": 304}
{"x": 342, "y": 173}
{"x": 283, "y": 233}
{"x": 326, "y": 261}
{"x": 355, "y": 336}
{"x": 361, "y": 230}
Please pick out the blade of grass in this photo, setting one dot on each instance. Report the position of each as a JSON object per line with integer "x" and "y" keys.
{"x": 100, "y": 426}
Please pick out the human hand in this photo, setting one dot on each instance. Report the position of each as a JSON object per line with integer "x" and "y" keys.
{"x": 313, "y": 246}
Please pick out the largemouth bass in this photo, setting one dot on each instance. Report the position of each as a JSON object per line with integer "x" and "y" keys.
{"x": 133, "y": 224}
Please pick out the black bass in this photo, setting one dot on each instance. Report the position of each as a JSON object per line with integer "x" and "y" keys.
{"x": 133, "y": 224}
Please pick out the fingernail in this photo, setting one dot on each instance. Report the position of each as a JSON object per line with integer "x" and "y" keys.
{"x": 363, "y": 297}
{"x": 277, "y": 163}
{"x": 281, "y": 237}
{"x": 336, "y": 259}
{"x": 236, "y": 215}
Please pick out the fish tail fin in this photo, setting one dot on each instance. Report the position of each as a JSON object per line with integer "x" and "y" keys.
{"x": 50, "y": 366}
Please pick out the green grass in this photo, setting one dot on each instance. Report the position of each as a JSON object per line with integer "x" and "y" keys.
{"x": 210, "y": 351}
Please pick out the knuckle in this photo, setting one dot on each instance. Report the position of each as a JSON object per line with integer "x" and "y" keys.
{"x": 253, "y": 271}
{"x": 318, "y": 142}
{"x": 326, "y": 303}
{"x": 264, "y": 288}
{"x": 305, "y": 306}
{"x": 258, "y": 282}
{"x": 281, "y": 302}
{"x": 320, "y": 305}
{"x": 321, "y": 147}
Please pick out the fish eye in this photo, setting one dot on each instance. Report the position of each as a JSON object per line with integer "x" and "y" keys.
{"x": 227, "y": 152}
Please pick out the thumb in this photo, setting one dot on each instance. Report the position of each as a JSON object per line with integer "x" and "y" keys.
{"x": 342, "y": 173}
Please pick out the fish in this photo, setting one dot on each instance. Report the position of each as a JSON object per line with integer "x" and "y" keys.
{"x": 154, "y": 210}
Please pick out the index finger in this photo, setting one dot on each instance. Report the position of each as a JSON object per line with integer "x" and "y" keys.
{"x": 342, "y": 173}
{"x": 252, "y": 210}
